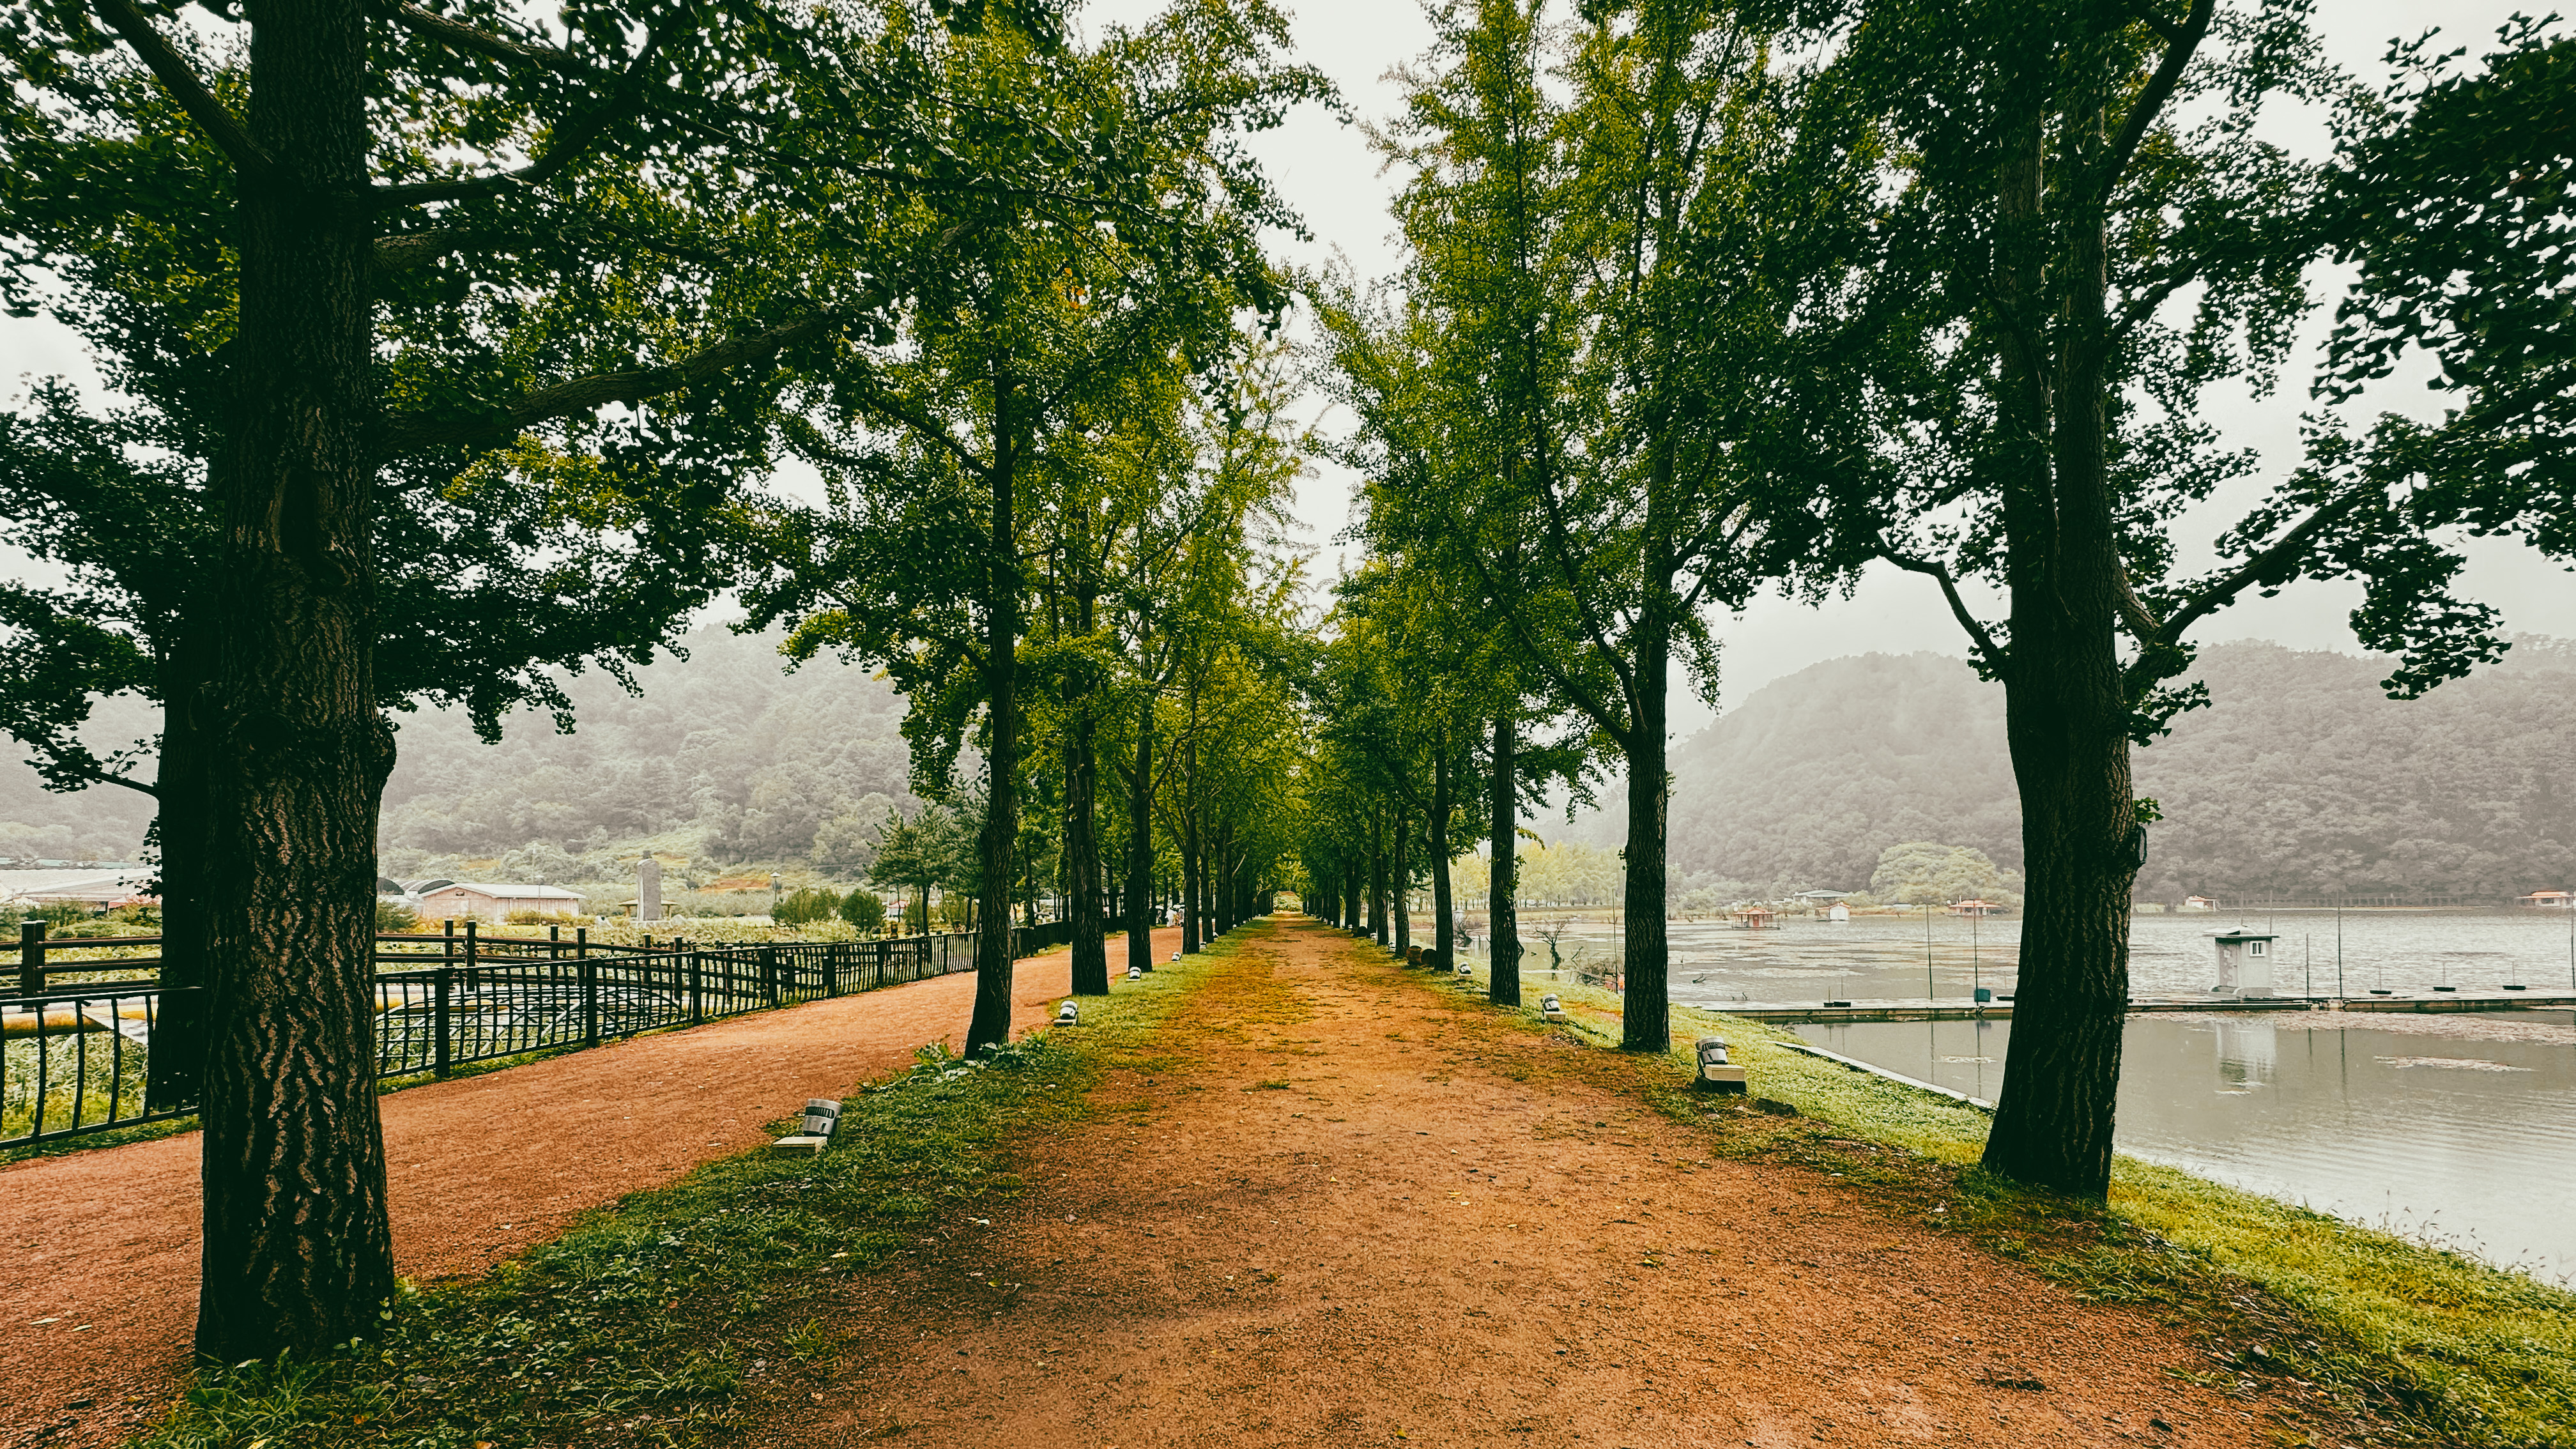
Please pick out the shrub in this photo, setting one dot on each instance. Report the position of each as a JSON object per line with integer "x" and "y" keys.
{"x": 804, "y": 907}
{"x": 865, "y": 910}
{"x": 543, "y": 918}
{"x": 394, "y": 917}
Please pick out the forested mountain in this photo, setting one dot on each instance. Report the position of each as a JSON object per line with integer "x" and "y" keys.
{"x": 2300, "y": 777}
{"x": 724, "y": 755}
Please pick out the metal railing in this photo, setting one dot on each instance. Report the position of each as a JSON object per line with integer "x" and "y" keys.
{"x": 73, "y": 1053}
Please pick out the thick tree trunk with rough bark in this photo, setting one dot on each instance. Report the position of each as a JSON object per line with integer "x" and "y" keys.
{"x": 298, "y": 1254}
{"x": 1646, "y": 1022}
{"x": 180, "y": 829}
{"x": 2066, "y": 721}
{"x": 990, "y": 1024}
{"x": 1140, "y": 845}
{"x": 1503, "y": 929}
{"x": 1082, "y": 836}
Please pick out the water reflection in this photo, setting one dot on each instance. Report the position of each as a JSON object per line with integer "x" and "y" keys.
{"x": 2457, "y": 1129}
{"x": 1944, "y": 958}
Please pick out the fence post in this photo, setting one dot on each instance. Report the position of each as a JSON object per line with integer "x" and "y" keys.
{"x": 447, "y": 948}
{"x": 836, "y": 954}
{"x": 769, "y": 971}
{"x": 589, "y": 972}
{"x": 697, "y": 983}
{"x": 31, "y": 957}
{"x": 440, "y": 986}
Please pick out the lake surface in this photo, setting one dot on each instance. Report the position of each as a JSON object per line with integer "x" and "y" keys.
{"x": 1884, "y": 958}
{"x": 2455, "y": 1129}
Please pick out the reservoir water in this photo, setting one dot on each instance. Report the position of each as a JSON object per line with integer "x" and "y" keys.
{"x": 1907, "y": 958}
{"x": 2455, "y": 1129}
{"x": 2458, "y": 1130}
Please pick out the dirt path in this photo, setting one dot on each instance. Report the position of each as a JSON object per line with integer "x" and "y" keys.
{"x": 98, "y": 1250}
{"x": 1351, "y": 1219}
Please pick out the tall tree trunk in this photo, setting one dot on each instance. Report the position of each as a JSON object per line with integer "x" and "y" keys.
{"x": 1140, "y": 844}
{"x": 1399, "y": 884}
{"x": 1646, "y": 1021}
{"x": 2066, "y": 722}
{"x": 1377, "y": 881}
{"x": 1191, "y": 864}
{"x": 180, "y": 828}
{"x": 990, "y": 1025}
{"x": 1503, "y": 930}
{"x": 1082, "y": 853}
{"x": 298, "y": 1252}
{"x": 1356, "y": 921}
{"x": 1444, "y": 927}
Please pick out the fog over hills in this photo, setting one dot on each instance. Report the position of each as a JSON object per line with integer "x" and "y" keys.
{"x": 2300, "y": 777}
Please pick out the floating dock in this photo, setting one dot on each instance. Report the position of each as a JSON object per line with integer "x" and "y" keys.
{"x": 2002, "y": 1010}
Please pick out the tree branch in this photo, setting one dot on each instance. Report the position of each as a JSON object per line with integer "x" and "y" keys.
{"x": 589, "y": 394}
{"x": 457, "y": 36}
{"x": 2179, "y": 47}
{"x": 171, "y": 69}
{"x": 2268, "y": 564}
{"x": 1995, "y": 659}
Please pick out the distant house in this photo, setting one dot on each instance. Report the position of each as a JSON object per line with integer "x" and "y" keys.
{"x": 2199, "y": 903}
{"x": 1754, "y": 918}
{"x": 98, "y": 888}
{"x": 1838, "y": 912}
{"x": 459, "y": 900}
{"x": 1976, "y": 908}
{"x": 2548, "y": 900}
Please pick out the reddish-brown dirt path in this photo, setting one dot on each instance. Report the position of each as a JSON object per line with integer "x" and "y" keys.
{"x": 98, "y": 1250}
{"x": 1399, "y": 1245}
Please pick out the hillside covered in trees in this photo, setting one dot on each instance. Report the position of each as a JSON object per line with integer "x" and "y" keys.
{"x": 2301, "y": 777}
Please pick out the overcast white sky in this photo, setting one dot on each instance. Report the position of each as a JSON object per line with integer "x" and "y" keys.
{"x": 1328, "y": 174}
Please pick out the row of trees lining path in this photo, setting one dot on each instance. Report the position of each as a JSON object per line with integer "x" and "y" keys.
{"x": 1706, "y": 298}
{"x": 450, "y": 351}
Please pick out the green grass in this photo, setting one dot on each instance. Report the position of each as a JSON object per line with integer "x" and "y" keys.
{"x": 640, "y": 1324}
{"x": 2416, "y": 1339}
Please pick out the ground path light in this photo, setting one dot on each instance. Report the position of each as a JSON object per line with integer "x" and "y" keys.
{"x": 1716, "y": 1073}
{"x": 1068, "y": 1015}
{"x": 1550, "y": 1009}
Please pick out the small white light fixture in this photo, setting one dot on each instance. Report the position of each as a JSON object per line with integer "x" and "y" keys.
{"x": 1068, "y": 1015}
{"x": 1135, "y": 973}
{"x": 1550, "y": 1009}
{"x": 1716, "y": 1074}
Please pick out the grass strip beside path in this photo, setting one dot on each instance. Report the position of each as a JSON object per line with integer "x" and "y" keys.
{"x": 2408, "y": 1340}
{"x": 641, "y": 1322}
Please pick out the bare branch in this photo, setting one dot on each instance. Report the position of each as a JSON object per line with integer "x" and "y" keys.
{"x": 568, "y": 146}
{"x": 2271, "y": 563}
{"x": 589, "y": 394}
{"x": 1984, "y": 639}
{"x": 171, "y": 69}
{"x": 463, "y": 37}
{"x": 2159, "y": 89}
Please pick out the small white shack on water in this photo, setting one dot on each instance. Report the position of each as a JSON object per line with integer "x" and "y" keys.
{"x": 2244, "y": 964}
